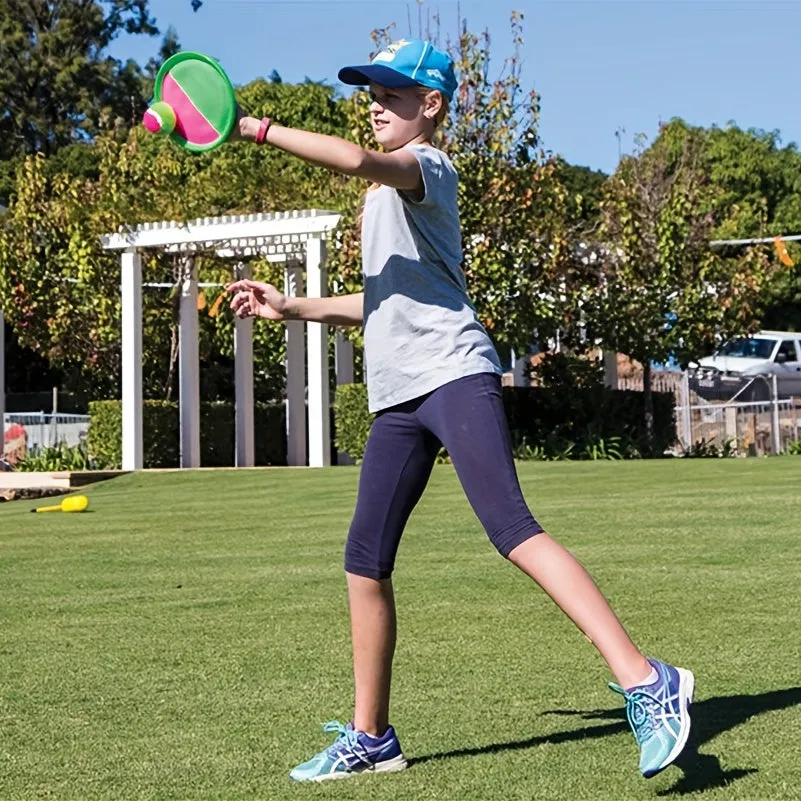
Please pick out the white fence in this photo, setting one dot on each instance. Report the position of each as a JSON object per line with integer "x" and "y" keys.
{"x": 744, "y": 415}
{"x": 35, "y": 430}
{"x": 751, "y": 427}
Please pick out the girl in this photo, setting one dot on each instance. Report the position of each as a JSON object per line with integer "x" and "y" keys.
{"x": 433, "y": 380}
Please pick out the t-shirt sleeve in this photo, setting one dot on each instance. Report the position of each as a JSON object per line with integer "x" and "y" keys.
{"x": 439, "y": 177}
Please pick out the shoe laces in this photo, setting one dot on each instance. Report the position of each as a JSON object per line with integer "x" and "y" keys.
{"x": 641, "y": 711}
{"x": 347, "y": 741}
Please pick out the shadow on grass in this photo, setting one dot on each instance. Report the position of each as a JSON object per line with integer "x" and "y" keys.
{"x": 710, "y": 718}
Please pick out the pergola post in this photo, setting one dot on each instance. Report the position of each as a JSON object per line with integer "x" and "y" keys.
{"x": 343, "y": 359}
{"x": 317, "y": 344}
{"x": 189, "y": 367}
{"x": 131, "y": 291}
{"x": 295, "y": 373}
{"x": 244, "y": 454}
{"x": 343, "y": 367}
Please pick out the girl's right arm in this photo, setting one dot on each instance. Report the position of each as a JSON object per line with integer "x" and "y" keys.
{"x": 255, "y": 299}
{"x": 399, "y": 169}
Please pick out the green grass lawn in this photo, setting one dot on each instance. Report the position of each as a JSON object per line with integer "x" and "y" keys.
{"x": 186, "y": 637}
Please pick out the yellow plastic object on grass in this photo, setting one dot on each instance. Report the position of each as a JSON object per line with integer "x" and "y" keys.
{"x": 75, "y": 503}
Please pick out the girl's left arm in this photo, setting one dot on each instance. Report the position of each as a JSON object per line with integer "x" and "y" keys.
{"x": 399, "y": 169}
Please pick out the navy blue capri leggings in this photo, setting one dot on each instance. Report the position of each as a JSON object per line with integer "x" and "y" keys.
{"x": 467, "y": 417}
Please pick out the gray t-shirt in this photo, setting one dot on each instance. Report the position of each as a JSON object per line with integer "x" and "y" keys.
{"x": 420, "y": 328}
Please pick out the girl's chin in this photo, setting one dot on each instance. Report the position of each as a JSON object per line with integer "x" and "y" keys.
{"x": 389, "y": 143}
{"x": 383, "y": 136}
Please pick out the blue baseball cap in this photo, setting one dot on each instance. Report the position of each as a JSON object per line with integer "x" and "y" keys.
{"x": 406, "y": 63}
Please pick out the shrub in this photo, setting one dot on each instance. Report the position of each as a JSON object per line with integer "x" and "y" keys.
{"x": 58, "y": 458}
{"x": 161, "y": 433}
{"x": 794, "y": 448}
{"x": 353, "y": 421}
{"x": 708, "y": 449}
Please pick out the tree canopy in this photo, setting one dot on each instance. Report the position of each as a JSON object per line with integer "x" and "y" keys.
{"x": 58, "y": 83}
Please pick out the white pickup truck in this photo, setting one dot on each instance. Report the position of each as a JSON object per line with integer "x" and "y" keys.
{"x": 764, "y": 353}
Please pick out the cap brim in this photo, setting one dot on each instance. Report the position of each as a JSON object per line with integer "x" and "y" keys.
{"x": 375, "y": 73}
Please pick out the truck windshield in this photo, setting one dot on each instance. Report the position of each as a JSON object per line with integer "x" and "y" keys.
{"x": 748, "y": 348}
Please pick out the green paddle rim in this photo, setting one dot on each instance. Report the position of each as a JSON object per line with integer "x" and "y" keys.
{"x": 231, "y": 113}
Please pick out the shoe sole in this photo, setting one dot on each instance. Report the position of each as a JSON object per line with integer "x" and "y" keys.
{"x": 686, "y": 689}
{"x": 394, "y": 765}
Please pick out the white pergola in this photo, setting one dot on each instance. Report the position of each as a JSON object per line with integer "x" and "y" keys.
{"x": 296, "y": 238}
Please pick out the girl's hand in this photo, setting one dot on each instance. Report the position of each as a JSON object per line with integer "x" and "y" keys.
{"x": 245, "y": 128}
{"x": 254, "y": 299}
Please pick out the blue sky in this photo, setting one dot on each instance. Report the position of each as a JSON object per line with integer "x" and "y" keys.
{"x": 600, "y": 65}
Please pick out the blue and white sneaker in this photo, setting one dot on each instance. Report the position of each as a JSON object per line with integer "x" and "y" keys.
{"x": 659, "y": 715}
{"x": 353, "y": 752}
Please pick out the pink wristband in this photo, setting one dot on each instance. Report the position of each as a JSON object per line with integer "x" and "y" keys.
{"x": 262, "y": 132}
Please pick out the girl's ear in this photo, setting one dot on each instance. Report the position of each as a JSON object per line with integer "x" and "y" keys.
{"x": 433, "y": 104}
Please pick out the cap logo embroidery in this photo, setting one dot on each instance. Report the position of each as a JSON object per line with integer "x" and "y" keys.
{"x": 390, "y": 53}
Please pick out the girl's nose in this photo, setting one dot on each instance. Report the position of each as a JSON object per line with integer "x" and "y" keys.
{"x": 375, "y": 106}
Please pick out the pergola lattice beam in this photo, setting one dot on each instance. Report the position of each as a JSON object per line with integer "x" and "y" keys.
{"x": 234, "y": 231}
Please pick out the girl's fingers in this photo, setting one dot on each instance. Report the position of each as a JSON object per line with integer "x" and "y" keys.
{"x": 241, "y": 301}
{"x": 243, "y": 285}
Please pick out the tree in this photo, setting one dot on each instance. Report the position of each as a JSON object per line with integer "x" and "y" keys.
{"x": 761, "y": 180}
{"x": 513, "y": 205}
{"x": 54, "y": 76}
{"x": 47, "y": 271}
{"x": 58, "y": 83}
{"x": 584, "y": 189}
{"x": 657, "y": 289}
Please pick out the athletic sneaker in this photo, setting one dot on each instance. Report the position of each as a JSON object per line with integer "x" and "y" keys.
{"x": 353, "y": 752}
{"x": 659, "y": 715}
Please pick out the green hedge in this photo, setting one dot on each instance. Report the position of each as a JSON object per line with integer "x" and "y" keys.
{"x": 548, "y": 420}
{"x": 352, "y": 420}
{"x": 552, "y": 418}
{"x": 161, "y": 436}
